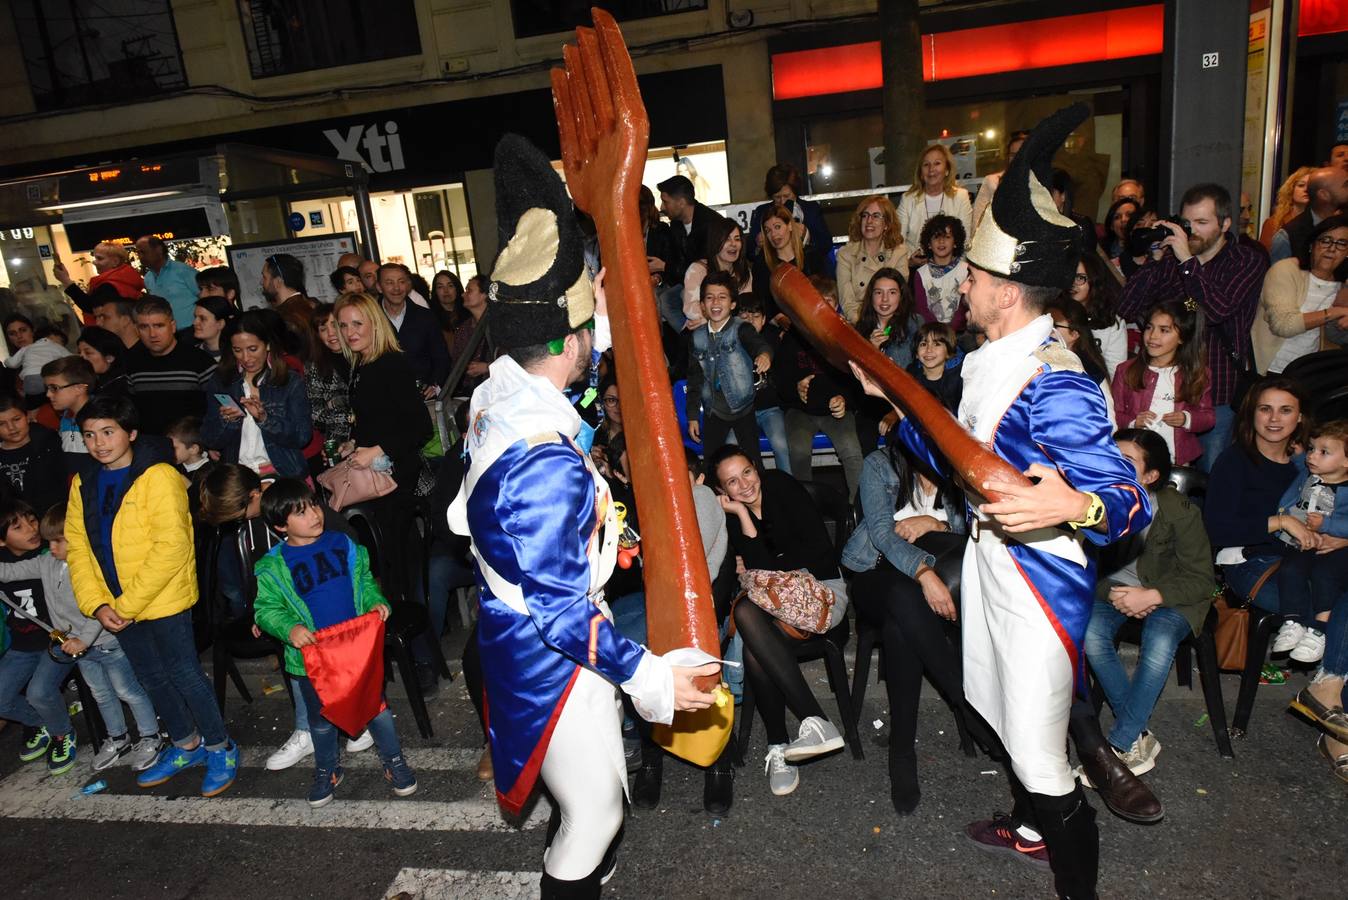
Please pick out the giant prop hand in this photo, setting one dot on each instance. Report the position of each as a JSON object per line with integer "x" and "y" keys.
{"x": 604, "y": 132}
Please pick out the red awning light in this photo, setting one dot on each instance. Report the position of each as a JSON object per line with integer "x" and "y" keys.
{"x": 1322, "y": 17}
{"x": 1060, "y": 41}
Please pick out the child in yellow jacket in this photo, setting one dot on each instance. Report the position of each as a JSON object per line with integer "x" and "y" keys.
{"x": 133, "y": 567}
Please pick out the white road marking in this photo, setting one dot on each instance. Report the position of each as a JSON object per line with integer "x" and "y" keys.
{"x": 31, "y": 793}
{"x": 461, "y": 884}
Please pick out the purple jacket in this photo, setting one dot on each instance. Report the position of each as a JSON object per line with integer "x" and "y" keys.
{"x": 1128, "y": 403}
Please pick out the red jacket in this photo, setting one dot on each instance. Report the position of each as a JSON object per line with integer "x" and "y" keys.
{"x": 124, "y": 279}
{"x": 1128, "y": 403}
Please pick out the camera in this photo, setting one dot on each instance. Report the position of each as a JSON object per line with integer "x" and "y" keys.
{"x": 1142, "y": 239}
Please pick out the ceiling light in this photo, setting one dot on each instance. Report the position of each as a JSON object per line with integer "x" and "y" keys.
{"x": 826, "y": 170}
{"x": 104, "y": 201}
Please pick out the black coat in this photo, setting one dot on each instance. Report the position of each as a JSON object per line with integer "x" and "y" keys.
{"x": 424, "y": 345}
{"x": 390, "y": 413}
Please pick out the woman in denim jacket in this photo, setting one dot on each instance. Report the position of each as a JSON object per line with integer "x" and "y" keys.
{"x": 905, "y": 557}
{"x": 269, "y": 424}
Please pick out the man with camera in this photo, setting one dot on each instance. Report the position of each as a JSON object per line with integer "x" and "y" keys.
{"x": 1198, "y": 257}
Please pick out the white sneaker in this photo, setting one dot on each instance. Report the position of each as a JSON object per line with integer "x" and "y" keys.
{"x": 362, "y": 741}
{"x": 817, "y": 736}
{"x": 1148, "y": 746}
{"x": 1311, "y": 647}
{"x": 296, "y": 747}
{"x": 144, "y": 753}
{"x": 1288, "y": 636}
{"x": 1137, "y": 761}
{"x": 110, "y": 751}
{"x": 782, "y": 778}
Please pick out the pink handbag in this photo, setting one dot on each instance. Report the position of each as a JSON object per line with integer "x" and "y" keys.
{"x": 348, "y": 485}
{"x": 794, "y": 598}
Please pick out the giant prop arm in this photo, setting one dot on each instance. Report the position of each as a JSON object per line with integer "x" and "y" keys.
{"x": 841, "y": 343}
{"x": 604, "y": 131}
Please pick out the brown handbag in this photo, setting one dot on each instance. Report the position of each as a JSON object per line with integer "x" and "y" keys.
{"x": 1233, "y": 623}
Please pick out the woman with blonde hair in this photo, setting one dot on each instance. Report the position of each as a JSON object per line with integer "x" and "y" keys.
{"x": 1291, "y": 202}
{"x": 389, "y": 420}
{"x": 933, "y": 191}
{"x": 874, "y": 241}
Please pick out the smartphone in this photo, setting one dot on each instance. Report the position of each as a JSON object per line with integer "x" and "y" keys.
{"x": 228, "y": 402}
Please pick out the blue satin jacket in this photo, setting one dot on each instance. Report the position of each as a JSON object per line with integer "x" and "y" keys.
{"x": 533, "y": 514}
{"x": 1059, "y": 420}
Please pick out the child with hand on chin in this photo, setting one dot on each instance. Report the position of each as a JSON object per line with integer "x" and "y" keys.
{"x": 315, "y": 579}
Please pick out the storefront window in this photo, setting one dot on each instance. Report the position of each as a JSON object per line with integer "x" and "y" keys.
{"x": 847, "y": 153}
{"x": 425, "y": 229}
{"x": 81, "y": 52}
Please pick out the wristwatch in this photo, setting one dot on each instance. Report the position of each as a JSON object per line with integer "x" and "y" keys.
{"x": 1095, "y": 514}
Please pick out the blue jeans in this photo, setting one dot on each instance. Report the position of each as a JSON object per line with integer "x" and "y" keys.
{"x": 164, "y": 658}
{"x": 1243, "y": 577}
{"x": 108, "y": 673}
{"x": 629, "y": 616}
{"x": 1218, "y": 438}
{"x": 447, "y": 573}
{"x": 1132, "y": 701}
{"x": 772, "y": 422}
{"x": 670, "y": 299}
{"x": 324, "y": 733}
{"x": 1309, "y": 582}
{"x": 1335, "y": 661}
{"x": 42, "y": 676}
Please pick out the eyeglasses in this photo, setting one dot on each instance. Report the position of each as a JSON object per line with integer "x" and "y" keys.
{"x": 610, "y": 401}
{"x": 1079, "y": 278}
{"x": 866, "y": 216}
{"x": 1063, "y": 325}
{"x": 57, "y": 388}
{"x": 1338, "y": 244}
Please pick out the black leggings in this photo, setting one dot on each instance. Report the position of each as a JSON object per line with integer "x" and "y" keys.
{"x": 773, "y": 671}
{"x": 472, "y": 679}
{"x": 715, "y": 430}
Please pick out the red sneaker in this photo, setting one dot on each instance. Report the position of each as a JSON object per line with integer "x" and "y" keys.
{"x": 998, "y": 835}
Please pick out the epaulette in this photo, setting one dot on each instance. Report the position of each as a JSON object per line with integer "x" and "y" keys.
{"x": 543, "y": 437}
{"x": 1058, "y": 358}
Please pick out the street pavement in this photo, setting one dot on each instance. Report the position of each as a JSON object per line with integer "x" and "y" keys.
{"x": 1270, "y": 823}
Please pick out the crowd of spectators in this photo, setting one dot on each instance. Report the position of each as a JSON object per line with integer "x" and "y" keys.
{"x": 1193, "y": 330}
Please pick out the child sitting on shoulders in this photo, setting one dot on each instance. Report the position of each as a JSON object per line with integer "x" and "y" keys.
{"x": 1165, "y": 388}
{"x": 1312, "y": 507}
{"x": 30, "y": 678}
{"x": 934, "y": 369}
{"x": 104, "y": 665}
{"x": 315, "y": 579}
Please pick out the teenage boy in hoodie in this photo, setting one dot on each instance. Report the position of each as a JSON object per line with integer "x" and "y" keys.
{"x": 133, "y": 567}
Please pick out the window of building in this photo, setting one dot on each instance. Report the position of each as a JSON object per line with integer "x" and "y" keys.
{"x": 83, "y": 52}
{"x": 535, "y": 17}
{"x": 285, "y": 36}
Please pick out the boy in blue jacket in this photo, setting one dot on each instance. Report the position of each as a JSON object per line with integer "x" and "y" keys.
{"x": 316, "y": 579}
{"x": 1309, "y": 581}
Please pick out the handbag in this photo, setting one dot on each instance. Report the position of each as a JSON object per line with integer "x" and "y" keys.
{"x": 348, "y": 485}
{"x": 1232, "y": 635}
{"x": 796, "y": 599}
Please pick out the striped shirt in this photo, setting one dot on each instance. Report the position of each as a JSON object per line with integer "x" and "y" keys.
{"x": 1226, "y": 288}
{"x": 167, "y": 388}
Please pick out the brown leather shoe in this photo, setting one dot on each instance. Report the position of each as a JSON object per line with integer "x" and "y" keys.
{"x": 485, "y": 772}
{"x": 1126, "y": 795}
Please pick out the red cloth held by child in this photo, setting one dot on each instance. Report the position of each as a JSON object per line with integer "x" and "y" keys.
{"x": 346, "y": 668}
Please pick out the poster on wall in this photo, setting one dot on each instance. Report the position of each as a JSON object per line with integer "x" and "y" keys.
{"x": 318, "y": 255}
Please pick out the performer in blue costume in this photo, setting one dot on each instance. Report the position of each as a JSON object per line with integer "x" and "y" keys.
{"x": 1028, "y": 577}
{"x": 544, "y": 536}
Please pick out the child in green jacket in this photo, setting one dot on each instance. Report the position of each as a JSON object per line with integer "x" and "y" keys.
{"x": 316, "y": 579}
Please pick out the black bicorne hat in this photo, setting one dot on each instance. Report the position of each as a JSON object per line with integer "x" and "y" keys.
{"x": 1023, "y": 237}
{"x": 539, "y": 289}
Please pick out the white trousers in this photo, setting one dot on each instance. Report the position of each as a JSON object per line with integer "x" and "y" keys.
{"x": 1017, "y": 673}
{"x": 586, "y": 774}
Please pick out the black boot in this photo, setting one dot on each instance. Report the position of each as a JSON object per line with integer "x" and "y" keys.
{"x": 1073, "y": 841}
{"x": 587, "y": 888}
{"x": 903, "y": 786}
{"x": 718, "y": 786}
{"x": 646, "y": 785}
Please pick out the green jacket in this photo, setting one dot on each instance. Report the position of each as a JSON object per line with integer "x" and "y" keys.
{"x": 279, "y": 608}
{"x": 1173, "y": 558}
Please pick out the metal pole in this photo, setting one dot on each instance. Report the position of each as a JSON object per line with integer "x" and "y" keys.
{"x": 369, "y": 244}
